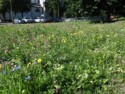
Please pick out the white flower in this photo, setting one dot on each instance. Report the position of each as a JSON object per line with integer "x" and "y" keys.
{"x": 58, "y": 67}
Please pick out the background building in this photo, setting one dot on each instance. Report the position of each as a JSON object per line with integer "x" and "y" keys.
{"x": 37, "y": 10}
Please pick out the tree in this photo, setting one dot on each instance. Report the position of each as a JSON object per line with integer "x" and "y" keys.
{"x": 76, "y": 8}
{"x": 55, "y": 8}
{"x": 17, "y": 6}
{"x": 21, "y": 6}
{"x": 103, "y": 7}
{"x": 73, "y": 8}
{"x": 51, "y": 7}
{"x": 0, "y": 4}
{"x": 4, "y": 7}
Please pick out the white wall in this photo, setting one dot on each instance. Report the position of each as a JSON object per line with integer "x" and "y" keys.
{"x": 34, "y": 1}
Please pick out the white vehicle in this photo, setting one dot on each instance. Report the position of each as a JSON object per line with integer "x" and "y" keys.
{"x": 17, "y": 21}
{"x": 39, "y": 19}
{"x": 43, "y": 20}
{"x": 27, "y": 20}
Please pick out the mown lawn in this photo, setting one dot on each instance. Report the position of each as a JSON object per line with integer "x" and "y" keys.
{"x": 62, "y": 58}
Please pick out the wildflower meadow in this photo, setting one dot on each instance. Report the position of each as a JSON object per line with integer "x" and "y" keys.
{"x": 62, "y": 58}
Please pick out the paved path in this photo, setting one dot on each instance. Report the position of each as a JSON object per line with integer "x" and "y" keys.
{"x": 6, "y": 23}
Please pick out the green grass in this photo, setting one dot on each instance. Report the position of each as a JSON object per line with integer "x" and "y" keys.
{"x": 69, "y": 57}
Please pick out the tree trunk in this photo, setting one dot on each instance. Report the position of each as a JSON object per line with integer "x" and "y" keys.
{"x": 108, "y": 16}
{"x": 15, "y": 14}
{"x": 4, "y": 16}
{"x": 10, "y": 16}
{"x": 108, "y": 13}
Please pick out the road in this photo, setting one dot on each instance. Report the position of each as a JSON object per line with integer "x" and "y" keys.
{"x": 5, "y": 23}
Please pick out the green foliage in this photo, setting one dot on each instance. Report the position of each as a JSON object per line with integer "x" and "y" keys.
{"x": 79, "y": 8}
{"x": 5, "y": 6}
{"x": 24, "y": 6}
{"x": 74, "y": 8}
{"x": 70, "y": 58}
{"x": 55, "y": 8}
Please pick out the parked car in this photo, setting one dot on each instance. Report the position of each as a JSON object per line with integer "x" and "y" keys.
{"x": 48, "y": 20}
{"x": 70, "y": 19}
{"x": 43, "y": 20}
{"x": 57, "y": 19}
{"x": 39, "y": 19}
{"x": 17, "y": 21}
{"x": 27, "y": 20}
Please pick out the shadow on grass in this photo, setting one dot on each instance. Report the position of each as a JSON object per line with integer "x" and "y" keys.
{"x": 105, "y": 21}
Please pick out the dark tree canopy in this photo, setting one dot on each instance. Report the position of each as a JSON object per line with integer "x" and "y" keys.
{"x": 16, "y": 5}
{"x": 77, "y": 8}
{"x": 70, "y": 8}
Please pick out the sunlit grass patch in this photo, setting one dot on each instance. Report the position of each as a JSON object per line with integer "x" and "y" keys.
{"x": 68, "y": 57}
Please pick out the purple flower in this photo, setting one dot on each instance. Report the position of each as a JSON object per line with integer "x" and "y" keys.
{"x": 28, "y": 78}
{"x": 4, "y": 72}
{"x": 18, "y": 67}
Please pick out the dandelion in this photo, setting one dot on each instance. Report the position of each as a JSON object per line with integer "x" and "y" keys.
{"x": 28, "y": 78}
{"x": 39, "y": 60}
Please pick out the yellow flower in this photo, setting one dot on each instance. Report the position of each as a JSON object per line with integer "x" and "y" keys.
{"x": 39, "y": 60}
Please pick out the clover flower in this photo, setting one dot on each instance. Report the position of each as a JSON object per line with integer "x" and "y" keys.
{"x": 58, "y": 67}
